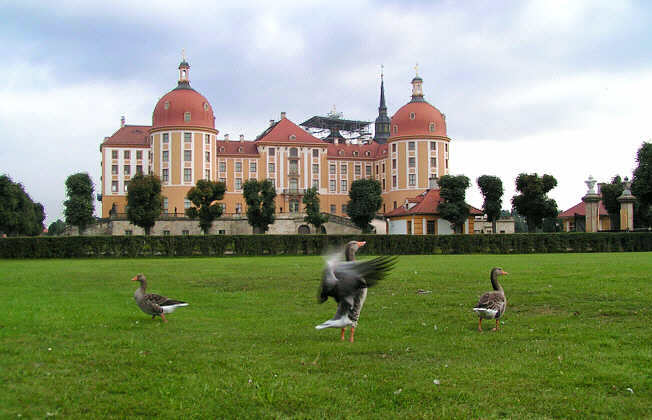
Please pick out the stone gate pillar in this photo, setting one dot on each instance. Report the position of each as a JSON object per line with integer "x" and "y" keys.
{"x": 626, "y": 201}
{"x": 592, "y": 206}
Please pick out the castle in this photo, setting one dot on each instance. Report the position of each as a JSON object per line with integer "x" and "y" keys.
{"x": 406, "y": 155}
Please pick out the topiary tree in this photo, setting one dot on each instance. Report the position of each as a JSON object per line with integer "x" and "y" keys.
{"x": 259, "y": 196}
{"x": 365, "y": 201}
{"x": 610, "y": 193}
{"x": 454, "y": 208}
{"x": 57, "y": 228}
{"x": 642, "y": 185}
{"x": 313, "y": 215}
{"x": 19, "y": 215}
{"x": 491, "y": 188}
{"x": 204, "y": 195}
{"x": 144, "y": 201}
{"x": 79, "y": 207}
{"x": 533, "y": 202}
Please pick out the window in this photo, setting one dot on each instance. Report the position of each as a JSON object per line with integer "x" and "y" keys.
{"x": 185, "y": 232}
{"x": 114, "y": 169}
{"x": 223, "y": 180}
{"x": 383, "y": 167}
{"x": 367, "y": 170}
{"x": 222, "y": 166}
{"x": 412, "y": 115}
{"x": 127, "y": 155}
{"x": 412, "y": 180}
{"x": 343, "y": 169}
{"x": 343, "y": 208}
{"x": 294, "y": 152}
{"x": 272, "y": 151}
{"x": 315, "y": 184}
{"x": 238, "y": 166}
{"x": 294, "y": 206}
{"x": 187, "y": 174}
{"x": 271, "y": 168}
{"x": 333, "y": 209}
{"x": 166, "y": 137}
{"x": 357, "y": 170}
{"x": 446, "y": 147}
{"x": 396, "y": 129}
{"x": 394, "y": 204}
{"x": 294, "y": 166}
{"x": 127, "y": 169}
{"x": 252, "y": 167}
{"x": 207, "y": 174}
{"x": 238, "y": 208}
{"x": 166, "y": 233}
{"x": 393, "y": 163}
{"x": 139, "y": 154}
{"x": 186, "y": 203}
{"x": 315, "y": 153}
{"x": 411, "y": 145}
{"x": 205, "y": 106}
{"x": 114, "y": 186}
{"x": 165, "y": 175}
{"x": 412, "y": 162}
{"x": 446, "y": 163}
{"x": 355, "y": 153}
{"x": 139, "y": 169}
{"x": 207, "y": 155}
{"x": 166, "y": 105}
{"x": 433, "y": 162}
{"x": 409, "y": 227}
{"x": 166, "y": 156}
{"x": 114, "y": 154}
{"x": 315, "y": 168}
{"x": 165, "y": 204}
{"x": 126, "y": 186}
{"x": 294, "y": 184}
{"x": 186, "y": 116}
{"x": 128, "y": 232}
{"x": 331, "y": 169}
{"x": 393, "y": 181}
{"x": 383, "y": 183}
{"x": 238, "y": 183}
{"x": 343, "y": 186}
{"x": 207, "y": 139}
{"x": 292, "y": 137}
{"x": 432, "y": 182}
{"x": 221, "y": 232}
{"x": 331, "y": 186}
{"x": 394, "y": 148}
{"x": 187, "y": 155}
{"x": 187, "y": 137}
{"x": 433, "y": 146}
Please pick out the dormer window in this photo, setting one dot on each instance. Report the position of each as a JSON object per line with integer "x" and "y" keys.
{"x": 396, "y": 129}
{"x": 341, "y": 153}
{"x": 221, "y": 148}
{"x": 432, "y": 127}
{"x": 166, "y": 105}
{"x": 205, "y": 106}
{"x": 367, "y": 153}
{"x": 186, "y": 116}
{"x": 293, "y": 137}
{"x": 412, "y": 115}
{"x": 239, "y": 149}
{"x": 355, "y": 153}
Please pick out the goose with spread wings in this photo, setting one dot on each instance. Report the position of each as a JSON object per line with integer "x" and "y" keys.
{"x": 347, "y": 283}
{"x": 153, "y": 304}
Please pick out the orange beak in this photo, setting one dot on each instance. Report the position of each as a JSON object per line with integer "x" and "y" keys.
{"x": 135, "y": 278}
{"x": 505, "y": 272}
{"x": 361, "y": 243}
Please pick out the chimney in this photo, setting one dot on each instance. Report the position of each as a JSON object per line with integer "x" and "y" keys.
{"x": 226, "y": 137}
{"x": 271, "y": 123}
{"x": 122, "y": 121}
{"x": 282, "y": 114}
{"x": 241, "y": 137}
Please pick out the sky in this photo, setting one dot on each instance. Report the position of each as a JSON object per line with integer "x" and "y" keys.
{"x": 556, "y": 87}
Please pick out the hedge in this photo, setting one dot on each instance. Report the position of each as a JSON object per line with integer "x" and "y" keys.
{"x": 221, "y": 245}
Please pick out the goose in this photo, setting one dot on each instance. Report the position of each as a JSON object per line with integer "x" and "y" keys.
{"x": 153, "y": 304}
{"x": 492, "y": 304}
{"x": 347, "y": 282}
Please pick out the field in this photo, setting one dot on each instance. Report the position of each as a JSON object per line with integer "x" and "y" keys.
{"x": 575, "y": 342}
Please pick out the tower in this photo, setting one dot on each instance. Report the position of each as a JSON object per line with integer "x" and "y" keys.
{"x": 382, "y": 132}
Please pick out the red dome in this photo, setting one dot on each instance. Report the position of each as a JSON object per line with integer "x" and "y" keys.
{"x": 416, "y": 118}
{"x": 171, "y": 110}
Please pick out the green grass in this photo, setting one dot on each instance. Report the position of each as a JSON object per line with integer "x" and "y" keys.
{"x": 576, "y": 335}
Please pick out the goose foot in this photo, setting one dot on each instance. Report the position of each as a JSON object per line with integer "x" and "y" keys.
{"x": 496, "y": 327}
{"x": 480, "y": 325}
{"x": 351, "y": 336}
{"x": 342, "y": 334}
{"x": 163, "y": 318}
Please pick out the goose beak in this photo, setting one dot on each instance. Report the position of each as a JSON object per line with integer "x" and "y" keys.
{"x": 361, "y": 243}
{"x": 505, "y": 272}
{"x": 135, "y": 278}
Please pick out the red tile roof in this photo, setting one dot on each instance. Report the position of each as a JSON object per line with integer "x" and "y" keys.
{"x": 287, "y": 132}
{"x": 130, "y": 136}
{"x": 580, "y": 210}
{"x": 426, "y": 203}
{"x": 356, "y": 151}
{"x": 236, "y": 148}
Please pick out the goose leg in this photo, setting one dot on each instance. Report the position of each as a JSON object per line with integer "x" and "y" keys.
{"x": 480, "y": 324}
{"x": 342, "y": 334}
{"x": 153, "y": 316}
{"x": 351, "y": 336}
{"x": 496, "y": 328}
{"x": 163, "y": 317}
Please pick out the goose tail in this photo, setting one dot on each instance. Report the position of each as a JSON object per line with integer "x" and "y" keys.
{"x": 335, "y": 323}
{"x": 485, "y": 313}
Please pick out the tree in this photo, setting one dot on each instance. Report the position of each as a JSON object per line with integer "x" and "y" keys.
{"x": 642, "y": 185}
{"x": 57, "y": 228}
{"x": 204, "y": 196}
{"x": 19, "y": 215}
{"x": 610, "y": 194}
{"x": 454, "y": 209}
{"x": 144, "y": 201}
{"x": 79, "y": 206}
{"x": 313, "y": 215}
{"x": 533, "y": 203}
{"x": 491, "y": 188}
{"x": 365, "y": 201}
{"x": 259, "y": 196}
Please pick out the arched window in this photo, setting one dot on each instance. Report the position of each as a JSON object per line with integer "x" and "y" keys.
{"x": 412, "y": 115}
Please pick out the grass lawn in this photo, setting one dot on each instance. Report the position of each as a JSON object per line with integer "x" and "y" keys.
{"x": 576, "y": 340}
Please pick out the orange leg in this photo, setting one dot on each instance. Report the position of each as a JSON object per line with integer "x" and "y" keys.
{"x": 351, "y": 336}
{"x": 342, "y": 334}
{"x": 480, "y": 324}
{"x": 163, "y": 317}
{"x": 495, "y": 329}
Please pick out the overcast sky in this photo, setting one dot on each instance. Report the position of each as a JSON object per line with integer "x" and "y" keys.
{"x": 550, "y": 87}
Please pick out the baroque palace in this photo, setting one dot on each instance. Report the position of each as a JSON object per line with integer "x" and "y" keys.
{"x": 406, "y": 155}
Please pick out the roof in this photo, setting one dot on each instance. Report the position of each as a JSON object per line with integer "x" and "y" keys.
{"x": 414, "y": 119}
{"x": 236, "y": 148}
{"x": 129, "y": 136}
{"x": 171, "y": 108}
{"x": 425, "y": 203}
{"x": 287, "y": 132}
{"x": 369, "y": 151}
{"x": 579, "y": 209}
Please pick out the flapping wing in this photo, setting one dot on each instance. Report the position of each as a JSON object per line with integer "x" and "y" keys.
{"x": 352, "y": 276}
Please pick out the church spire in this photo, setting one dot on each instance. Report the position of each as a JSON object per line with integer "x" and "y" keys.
{"x": 381, "y": 126}
{"x": 417, "y": 86}
{"x": 184, "y": 71}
